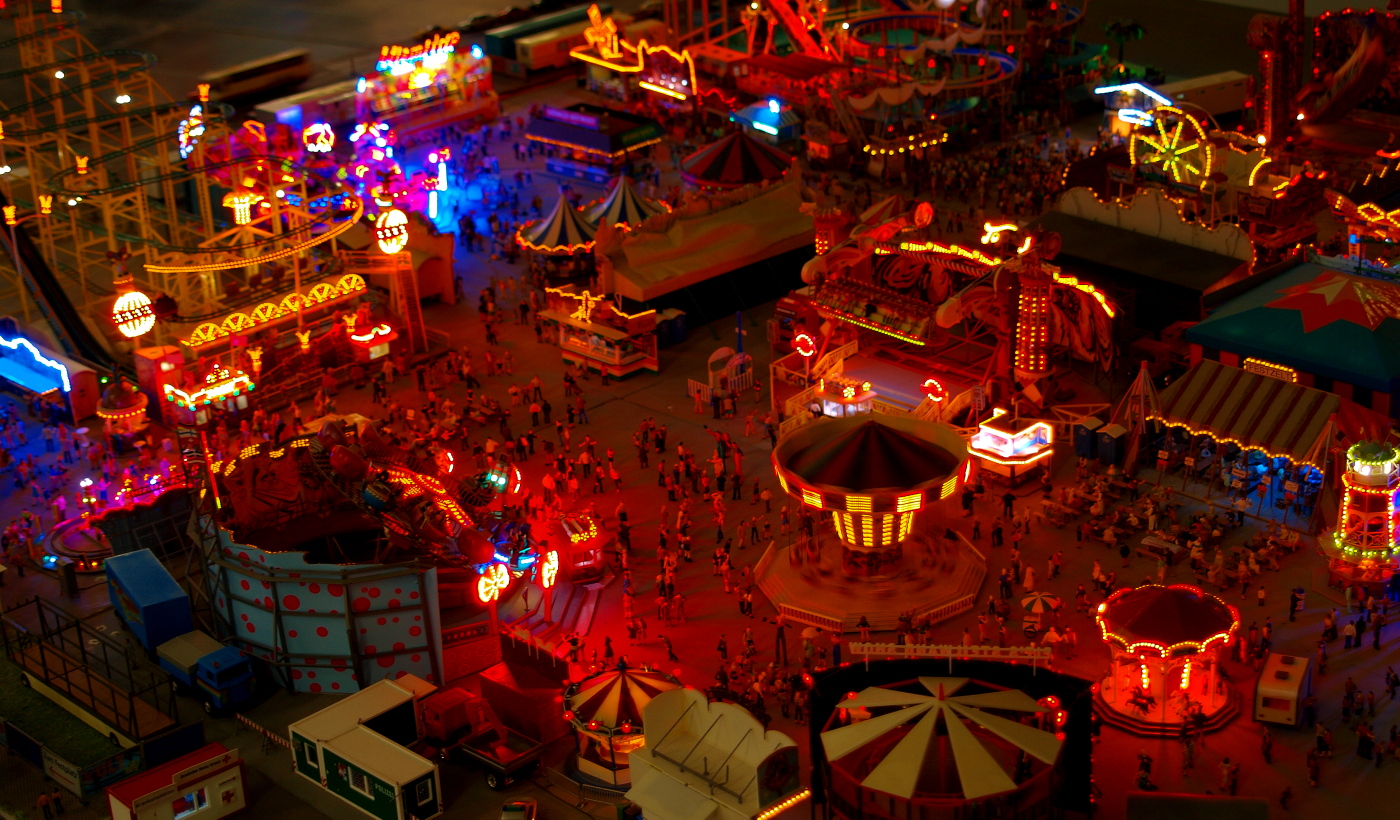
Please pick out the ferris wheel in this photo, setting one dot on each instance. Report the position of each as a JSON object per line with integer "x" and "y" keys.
{"x": 1173, "y": 145}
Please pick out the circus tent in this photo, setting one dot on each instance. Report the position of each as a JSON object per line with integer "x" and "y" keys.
{"x": 905, "y": 762}
{"x": 623, "y": 206}
{"x": 616, "y": 697}
{"x": 562, "y": 231}
{"x": 733, "y": 162}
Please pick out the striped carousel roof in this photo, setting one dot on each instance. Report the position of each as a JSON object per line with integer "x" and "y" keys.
{"x": 623, "y": 206}
{"x": 617, "y": 696}
{"x": 733, "y": 162}
{"x": 562, "y": 231}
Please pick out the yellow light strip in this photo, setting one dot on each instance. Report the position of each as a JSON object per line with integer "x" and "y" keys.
{"x": 1273, "y": 371}
{"x": 661, "y": 89}
{"x": 774, "y": 810}
{"x": 245, "y": 261}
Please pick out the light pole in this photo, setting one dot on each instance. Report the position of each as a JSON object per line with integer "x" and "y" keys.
{"x": 13, "y": 220}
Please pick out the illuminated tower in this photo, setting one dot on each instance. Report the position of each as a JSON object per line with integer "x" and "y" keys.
{"x": 1033, "y": 322}
{"x": 1366, "y": 527}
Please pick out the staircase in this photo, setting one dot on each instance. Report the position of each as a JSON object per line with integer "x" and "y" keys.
{"x": 406, "y": 297}
{"x": 572, "y": 610}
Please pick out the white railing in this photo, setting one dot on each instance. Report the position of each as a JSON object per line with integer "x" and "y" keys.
{"x": 1033, "y": 654}
{"x": 833, "y": 363}
{"x": 799, "y": 615}
{"x": 692, "y": 387}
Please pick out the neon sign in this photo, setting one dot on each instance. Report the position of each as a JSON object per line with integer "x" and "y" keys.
{"x": 318, "y": 138}
{"x": 492, "y": 582}
{"x": 391, "y": 231}
{"x": 934, "y": 390}
{"x": 17, "y": 343}
{"x": 380, "y": 332}
{"x": 190, "y": 130}
{"x": 549, "y": 569}
{"x": 133, "y": 314}
{"x": 805, "y": 345}
{"x": 602, "y": 34}
{"x": 431, "y": 52}
{"x": 220, "y": 384}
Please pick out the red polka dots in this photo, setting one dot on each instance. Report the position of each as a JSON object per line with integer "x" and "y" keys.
{"x": 417, "y": 617}
{"x": 267, "y": 602}
{"x": 416, "y": 658}
{"x": 399, "y": 647}
{"x": 291, "y": 602}
{"x": 360, "y": 605}
{"x": 296, "y": 674}
{"x": 266, "y": 585}
{"x": 314, "y": 588}
{"x": 374, "y": 592}
{"x": 393, "y": 603}
{"x": 363, "y": 631}
{"x": 400, "y": 674}
{"x": 396, "y": 620}
{"x": 311, "y": 674}
{"x": 335, "y": 589}
{"x": 312, "y": 662}
{"x": 370, "y": 651}
{"x": 246, "y": 586}
{"x": 413, "y": 595}
{"x": 386, "y": 661}
{"x": 335, "y": 685}
{"x": 338, "y": 664}
{"x": 415, "y": 631}
{"x": 244, "y": 616}
{"x": 291, "y": 633}
{"x": 322, "y": 632}
{"x": 243, "y": 556}
{"x": 398, "y": 592}
{"x": 315, "y": 687}
{"x": 251, "y": 628}
{"x": 383, "y": 621}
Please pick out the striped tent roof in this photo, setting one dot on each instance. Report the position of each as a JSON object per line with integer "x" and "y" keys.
{"x": 623, "y": 206}
{"x": 733, "y": 162}
{"x": 562, "y": 231}
{"x": 1257, "y": 412}
{"x": 615, "y": 696}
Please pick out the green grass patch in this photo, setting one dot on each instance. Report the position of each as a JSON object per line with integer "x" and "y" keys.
{"x": 48, "y": 723}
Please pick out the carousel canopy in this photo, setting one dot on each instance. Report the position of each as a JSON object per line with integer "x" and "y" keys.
{"x": 1167, "y": 621}
{"x": 624, "y": 206}
{"x": 733, "y": 162}
{"x": 617, "y": 696}
{"x": 869, "y": 453}
{"x": 563, "y": 231}
{"x": 901, "y": 766}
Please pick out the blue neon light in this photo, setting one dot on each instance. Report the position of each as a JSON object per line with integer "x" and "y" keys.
{"x": 1132, "y": 116}
{"x": 39, "y": 357}
{"x": 765, "y": 128}
{"x": 1136, "y": 87}
{"x": 477, "y": 53}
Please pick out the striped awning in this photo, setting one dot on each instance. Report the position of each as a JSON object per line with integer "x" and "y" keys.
{"x": 562, "y": 231}
{"x": 733, "y": 162}
{"x": 623, "y": 206}
{"x": 1257, "y": 412}
{"x": 617, "y": 696}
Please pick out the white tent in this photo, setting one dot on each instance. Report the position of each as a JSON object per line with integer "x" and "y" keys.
{"x": 980, "y": 774}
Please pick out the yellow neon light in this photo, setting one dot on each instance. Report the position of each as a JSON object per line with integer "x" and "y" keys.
{"x": 661, "y": 89}
{"x": 1255, "y": 172}
{"x": 1275, "y": 371}
{"x": 245, "y": 261}
{"x": 909, "y": 503}
{"x": 858, "y": 503}
{"x": 641, "y": 50}
{"x": 992, "y": 233}
{"x": 348, "y": 285}
{"x": 812, "y": 498}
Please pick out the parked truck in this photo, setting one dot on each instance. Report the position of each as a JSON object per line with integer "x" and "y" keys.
{"x": 156, "y": 611}
{"x": 455, "y": 720}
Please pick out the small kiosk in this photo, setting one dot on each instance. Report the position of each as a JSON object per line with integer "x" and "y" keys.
{"x": 1007, "y": 447}
{"x": 841, "y": 397}
{"x": 207, "y": 784}
{"x": 594, "y": 332}
{"x": 428, "y": 84}
{"x": 224, "y": 389}
{"x": 592, "y": 143}
{"x": 1283, "y": 684}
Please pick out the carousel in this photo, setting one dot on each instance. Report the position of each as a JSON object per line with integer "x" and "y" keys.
{"x": 559, "y": 248}
{"x": 1165, "y": 674}
{"x": 935, "y": 747}
{"x": 606, "y": 712}
{"x": 623, "y": 206}
{"x": 733, "y": 162}
{"x": 122, "y": 409}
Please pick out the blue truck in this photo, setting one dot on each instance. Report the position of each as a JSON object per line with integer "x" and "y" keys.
{"x": 154, "y": 608}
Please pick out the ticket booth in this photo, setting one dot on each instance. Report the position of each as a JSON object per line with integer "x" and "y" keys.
{"x": 1283, "y": 684}
{"x": 1007, "y": 448}
{"x": 202, "y": 785}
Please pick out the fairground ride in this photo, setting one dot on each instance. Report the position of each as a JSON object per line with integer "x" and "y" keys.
{"x": 121, "y": 175}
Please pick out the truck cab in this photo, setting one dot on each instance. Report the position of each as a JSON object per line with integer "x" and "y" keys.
{"x": 221, "y": 675}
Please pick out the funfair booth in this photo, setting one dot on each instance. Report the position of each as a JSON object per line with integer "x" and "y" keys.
{"x": 428, "y": 84}
{"x": 606, "y": 713}
{"x": 1283, "y": 684}
{"x": 207, "y": 784}
{"x": 31, "y": 370}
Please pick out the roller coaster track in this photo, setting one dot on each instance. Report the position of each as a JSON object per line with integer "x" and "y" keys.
{"x": 124, "y": 197}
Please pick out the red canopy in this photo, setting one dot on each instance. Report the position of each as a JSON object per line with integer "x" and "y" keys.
{"x": 1167, "y": 621}
{"x": 733, "y": 162}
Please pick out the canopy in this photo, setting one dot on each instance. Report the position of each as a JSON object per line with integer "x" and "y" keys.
{"x": 617, "y": 696}
{"x": 563, "y": 231}
{"x": 624, "y": 206}
{"x": 733, "y": 162}
{"x": 1258, "y": 412}
{"x": 1166, "y": 621}
{"x": 1317, "y": 319}
{"x": 868, "y": 453}
{"x": 899, "y": 767}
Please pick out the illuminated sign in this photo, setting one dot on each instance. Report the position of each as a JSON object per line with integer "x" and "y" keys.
{"x": 242, "y": 203}
{"x": 934, "y": 390}
{"x": 805, "y": 345}
{"x": 220, "y": 384}
{"x": 549, "y": 570}
{"x": 21, "y": 342}
{"x": 391, "y": 231}
{"x": 602, "y": 34}
{"x": 133, "y": 314}
{"x": 351, "y": 284}
{"x": 189, "y": 130}
{"x": 492, "y": 582}
{"x": 432, "y": 52}
{"x": 318, "y": 138}
{"x": 1274, "y": 371}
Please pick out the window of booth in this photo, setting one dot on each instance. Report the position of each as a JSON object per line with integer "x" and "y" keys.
{"x": 424, "y": 792}
{"x": 360, "y": 783}
{"x": 188, "y": 804}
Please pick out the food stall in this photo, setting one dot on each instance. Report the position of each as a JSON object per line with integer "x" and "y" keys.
{"x": 594, "y": 332}
{"x": 840, "y": 396}
{"x": 428, "y": 84}
{"x": 1283, "y": 684}
{"x": 586, "y": 543}
{"x": 223, "y": 389}
{"x": 1007, "y": 447}
{"x": 207, "y": 783}
{"x": 592, "y": 143}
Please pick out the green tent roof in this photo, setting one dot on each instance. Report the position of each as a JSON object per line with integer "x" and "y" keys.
{"x": 1316, "y": 319}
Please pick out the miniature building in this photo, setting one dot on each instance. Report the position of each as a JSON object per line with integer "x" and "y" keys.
{"x": 595, "y": 333}
{"x": 429, "y": 84}
{"x": 208, "y": 783}
{"x": 1008, "y": 448}
{"x": 1363, "y": 548}
{"x": 594, "y": 143}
